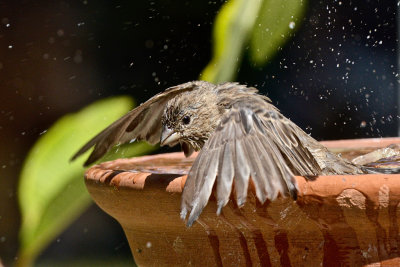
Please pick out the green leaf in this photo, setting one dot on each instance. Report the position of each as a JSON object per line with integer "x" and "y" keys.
{"x": 51, "y": 190}
{"x": 265, "y": 24}
{"x": 276, "y": 23}
{"x": 232, "y": 30}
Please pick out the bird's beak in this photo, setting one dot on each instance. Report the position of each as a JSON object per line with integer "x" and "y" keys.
{"x": 169, "y": 137}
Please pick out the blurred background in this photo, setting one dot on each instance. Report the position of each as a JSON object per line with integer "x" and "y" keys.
{"x": 336, "y": 77}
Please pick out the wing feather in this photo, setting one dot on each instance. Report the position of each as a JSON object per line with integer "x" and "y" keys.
{"x": 248, "y": 142}
{"x": 256, "y": 171}
{"x": 285, "y": 133}
{"x": 242, "y": 173}
{"x": 204, "y": 191}
{"x": 226, "y": 172}
{"x": 141, "y": 123}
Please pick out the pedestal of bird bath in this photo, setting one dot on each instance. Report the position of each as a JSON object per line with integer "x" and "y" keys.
{"x": 336, "y": 221}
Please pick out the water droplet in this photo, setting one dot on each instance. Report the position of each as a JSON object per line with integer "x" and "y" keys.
{"x": 60, "y": 32}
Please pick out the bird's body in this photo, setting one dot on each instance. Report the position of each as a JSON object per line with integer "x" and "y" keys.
{"x": 240, "y": 135}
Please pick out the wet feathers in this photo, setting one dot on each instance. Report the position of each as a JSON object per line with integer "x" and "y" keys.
{"x": 240, "y": 135}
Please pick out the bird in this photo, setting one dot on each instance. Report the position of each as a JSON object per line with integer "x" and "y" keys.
{"x": 241, "y": 138}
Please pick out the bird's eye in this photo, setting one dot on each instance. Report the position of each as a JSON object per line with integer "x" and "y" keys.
{"x": 186, "y": 120}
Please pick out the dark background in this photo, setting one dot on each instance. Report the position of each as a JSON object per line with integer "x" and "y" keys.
{"x": 337, "y": 78}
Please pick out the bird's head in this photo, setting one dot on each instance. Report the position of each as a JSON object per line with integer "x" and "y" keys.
{"x": 189, "y": 119}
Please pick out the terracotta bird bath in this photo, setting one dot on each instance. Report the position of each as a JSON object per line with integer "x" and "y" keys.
{"x": 336, "y": 221}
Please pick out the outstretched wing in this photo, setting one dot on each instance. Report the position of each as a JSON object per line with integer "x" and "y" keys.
{"x": 249, "y": 141}
{"x": 141, "y": 123}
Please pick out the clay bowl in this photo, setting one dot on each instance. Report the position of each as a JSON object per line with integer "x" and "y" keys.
{"x": 336, "y": 221}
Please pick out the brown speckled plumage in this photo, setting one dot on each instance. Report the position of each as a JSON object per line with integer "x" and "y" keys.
{"x": 240, "y": 135}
